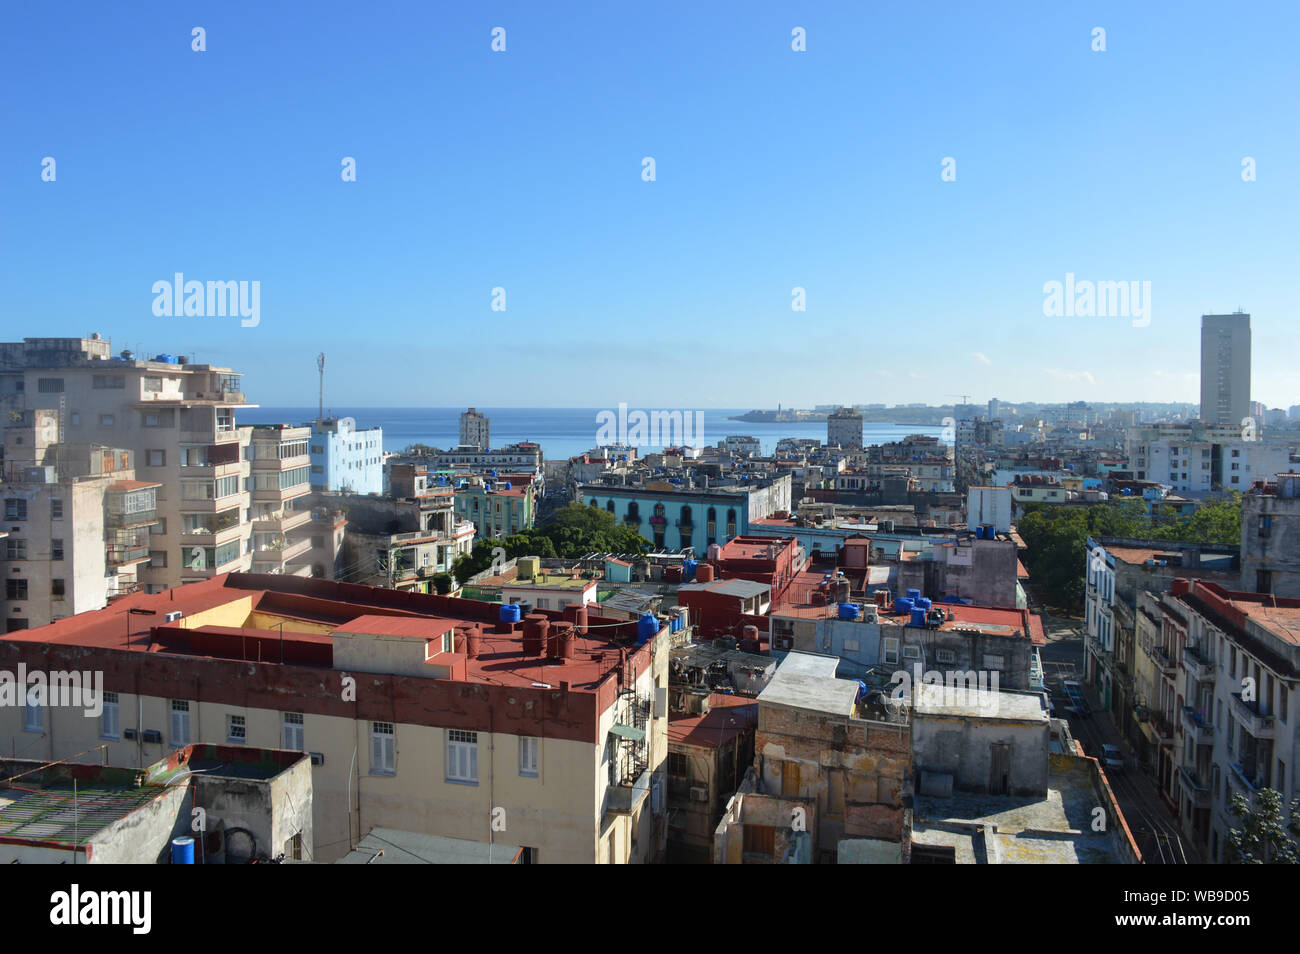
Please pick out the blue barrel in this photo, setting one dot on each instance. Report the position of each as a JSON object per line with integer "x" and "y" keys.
{"x": 848, "y": 611}
{"x": 509, "y": 612}
{"x": 924, "y": 603}
{"x": 183, "y": 851}
{"x": 918, "y": 617}
{"x": 688, "y": 569}
{"x": 913, "y": 595}
{"x": 646, "y": 628}
{"x": 902, "y": 606}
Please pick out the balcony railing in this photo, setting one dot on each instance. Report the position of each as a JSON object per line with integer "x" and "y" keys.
{"x": 117, "y": 555}
{"x": 1197, "y": 727}
{"x": 1258, "y": 725}
{"x": 1160, "y": 656}
{"x": 1197, "y": 790}
{"x": 123, "y": 521}
{"x": 1199, "y": 669}
{"x": 1162, "y": 726}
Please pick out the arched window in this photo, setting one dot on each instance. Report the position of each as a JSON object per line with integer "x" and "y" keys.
{"x": 610, "y": 506}
{"x": 594, "y": 503}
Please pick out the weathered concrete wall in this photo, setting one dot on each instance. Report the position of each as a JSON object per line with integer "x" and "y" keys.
{"x": 963, "y": 747}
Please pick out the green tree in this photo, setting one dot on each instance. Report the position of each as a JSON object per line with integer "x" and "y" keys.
{"x": 443, "y": 583}
{"x": 1263, "y": 838}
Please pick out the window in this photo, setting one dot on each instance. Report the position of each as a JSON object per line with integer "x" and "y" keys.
{"x": 106, "y": 382}
{"x": 236, "y": 730}
{"x": 992, "y": 662}
{"x": 15, "y": 508}
{"x": 293, "y": 732}
{"x": 180, "y": 723}
{"x": 56, "y": 549}
{"x": 107, "y": 420}
{"x": 56, "y": 509}
{"x": 49, "y": 385}
{"x": 16, "y": 589}
{"x": 157, "y": 458}
{"x": 677, "y": 766}
{"x": 1265, "y": 525}
{"x": 152, "y": 385}
{"x": 74, "y": 419}
{"x": 383, "y": 749}
{"x": 108, "y": 719}
{"x": 158, "y": 419}
{"x": 57, "y": 589}
{"x": 15, "y": 548}
{"x": 850, "y": 645}
{"x": 891, "y": 652}
{"x": 34, "y": 708}
{"x": 945, "y": 656}
{"x": 158, "y": 558}
{"x": 528, "y": 756}
{"x": 462, "y": 756}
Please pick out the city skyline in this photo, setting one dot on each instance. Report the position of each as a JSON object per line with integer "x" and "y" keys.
{"x": 775, "y": 170}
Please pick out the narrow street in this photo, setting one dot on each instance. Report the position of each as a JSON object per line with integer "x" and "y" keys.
{"x": 1148, "y": 817}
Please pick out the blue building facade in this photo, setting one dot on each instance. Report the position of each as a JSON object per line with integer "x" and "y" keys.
{"x": 345, "y": 457}
{"x": 673, "y": 518}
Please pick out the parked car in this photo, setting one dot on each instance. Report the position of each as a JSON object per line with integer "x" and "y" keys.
{"x": 1112, "y": 757}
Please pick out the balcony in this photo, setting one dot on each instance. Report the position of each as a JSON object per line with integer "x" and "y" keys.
{"x": 1197, "y": 727}
{"x": 1260, "y": 726}
{"x": 1162, "y": 726}
{"x": 1197, "y": 791}
{"x": 1199, "y": 669}
{"x": 277, "y": 556}
{"x": 281, "y": 494}
{"x": 1243, "y": 774}
{"x": 129, "y": 521}
{"x": 1163, "y": 662}
{"x": 273, "y": 464}
{"x": 119, "y": 555}
{"x": 282, "y": 520}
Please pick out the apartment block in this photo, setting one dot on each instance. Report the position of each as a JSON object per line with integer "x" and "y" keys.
{"x": 1270, "y": 537}
{"x": 422, "y": 713}
{"x": 78, "y": 524}
{"x": 844, "y": 428}
{"x": 346, "y": 458}
{"x": 475, "y": 430}
{"x": 1225, "y": 369}
{"x": 1198, "y": 458}
{"x": 177, "y": 417}
{"x": 281, "y": 483}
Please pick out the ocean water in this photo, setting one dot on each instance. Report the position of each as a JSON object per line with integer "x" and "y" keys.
{"x": 562, "y": 432}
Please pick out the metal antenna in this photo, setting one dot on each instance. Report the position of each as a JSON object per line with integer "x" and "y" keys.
{"x": 320, "y": 366}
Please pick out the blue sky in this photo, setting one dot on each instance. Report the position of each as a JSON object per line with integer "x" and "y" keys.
{"x": 775, "y": 169}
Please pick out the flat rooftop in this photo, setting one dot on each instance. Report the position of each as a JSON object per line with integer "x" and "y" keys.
{"x": 728, "y": 717}
{"x": 230, "y": 617}
{"x": 1002, "y": 829}
{"x": 807, "y": 681}
{"x": 961, "y": 702}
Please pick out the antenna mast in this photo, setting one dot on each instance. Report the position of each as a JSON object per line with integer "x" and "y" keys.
{"x": 320, "y": 366}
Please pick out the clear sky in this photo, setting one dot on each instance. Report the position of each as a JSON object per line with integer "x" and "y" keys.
{"x": 774, "y": 169}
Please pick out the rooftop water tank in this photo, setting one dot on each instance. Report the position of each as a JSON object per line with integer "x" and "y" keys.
{"x": 913, "y": 595}
{"x": 848, "y": 611}
{"x": 646, "y": 628}
{"x": 923, "y": 602}
{"x": 510, "y": 612}
{"x": 165, "y": 358}
{"x": 918, "y": 617}
{"x": 903, "y": 606}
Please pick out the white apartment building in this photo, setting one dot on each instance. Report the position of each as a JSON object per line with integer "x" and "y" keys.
{"x": 1197, "y": 458}
{"x": 179, "y": 420}
{"x": 281, "y": 483}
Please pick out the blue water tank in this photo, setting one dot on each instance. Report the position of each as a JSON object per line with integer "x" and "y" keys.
{"x": 494, "y": 473}
{"x": 903, "y": 606}
{"x": 688, "y": 569}
{"x": 979, "y": 533}
{"x": 848, "y": 611}
{"x": 507, "y": 485}
{"x": 924, "y": 603}
{"x": 646, "y": 628}
{"x": 183, "y": 851}
{"x": 918, "y": 617}
{"x": 914, "y": 595}
{"x": 509, "y": 612}
{"x": 165, "y": 358}
{"x": 862, "y": 689}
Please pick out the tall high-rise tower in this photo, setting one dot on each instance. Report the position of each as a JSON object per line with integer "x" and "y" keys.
{"x": 474, "y": 430}
{"x": 1225, "y": 368}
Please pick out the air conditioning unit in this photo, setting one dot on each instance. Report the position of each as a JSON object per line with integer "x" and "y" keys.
{"x": 699, "y": 793}
{"x": 152, "y": 735}
{"x": 318, "y": 758}
{"x": 129, "y": 734}
{"x": 173, "y": 616}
